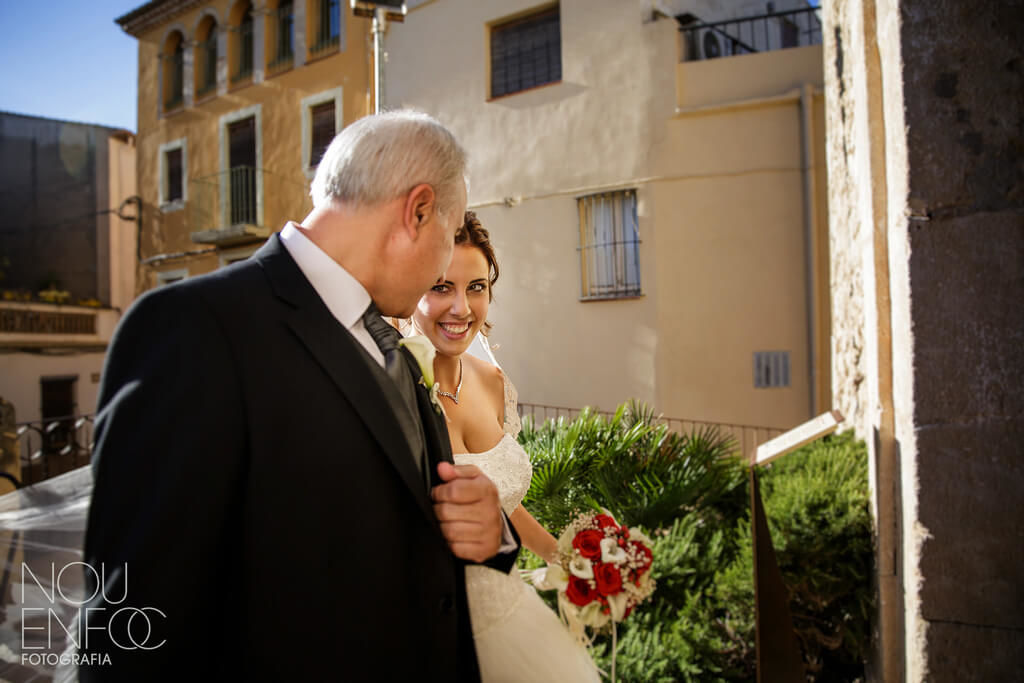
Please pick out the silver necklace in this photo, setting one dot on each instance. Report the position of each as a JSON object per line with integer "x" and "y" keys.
{"x": 458, "y": 389}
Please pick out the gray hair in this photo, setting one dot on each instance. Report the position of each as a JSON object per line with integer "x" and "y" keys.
{"x": 383, "y": 156}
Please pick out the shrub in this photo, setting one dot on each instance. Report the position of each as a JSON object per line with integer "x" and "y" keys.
{"x": 690, "y": 493}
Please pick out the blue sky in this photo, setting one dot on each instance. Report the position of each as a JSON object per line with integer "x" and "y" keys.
{"x": 67, "y": 59}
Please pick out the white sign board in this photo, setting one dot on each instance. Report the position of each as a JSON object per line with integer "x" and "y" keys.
{"x": 823, "y": 425}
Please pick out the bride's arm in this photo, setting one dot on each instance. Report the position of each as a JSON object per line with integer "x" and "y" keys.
{"x": 534, "y": 536}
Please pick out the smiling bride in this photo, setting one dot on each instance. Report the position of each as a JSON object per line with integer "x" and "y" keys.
{"x": 517, "y": 637}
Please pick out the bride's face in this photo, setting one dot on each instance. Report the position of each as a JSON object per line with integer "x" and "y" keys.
{"x": 455, "y": 308}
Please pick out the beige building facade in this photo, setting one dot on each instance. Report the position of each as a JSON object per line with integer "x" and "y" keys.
{"x": 67, "y": 273}
{"x": 237, "y": 100}
{"x": 660, "y": 219}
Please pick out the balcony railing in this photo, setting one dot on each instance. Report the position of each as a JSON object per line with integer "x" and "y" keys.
{"x": 227, "y": 207}
{"x": 326, "y": 34}
{"x": 746, "y": 35}
{"x": 53, "y": 446}
{"x": 748, "y": 437}
{"x": 284, "y": 22}
{"x": 243, "y": 43}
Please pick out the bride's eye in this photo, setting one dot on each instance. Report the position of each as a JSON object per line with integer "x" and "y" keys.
{"x": 439, "y": 289}
{"x": 478, "y": 287}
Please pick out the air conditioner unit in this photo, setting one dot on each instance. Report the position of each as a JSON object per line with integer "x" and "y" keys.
{"x": 710, "y": 47}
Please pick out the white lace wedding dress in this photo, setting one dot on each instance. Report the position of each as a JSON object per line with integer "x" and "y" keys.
{"x": 518, "y": 638}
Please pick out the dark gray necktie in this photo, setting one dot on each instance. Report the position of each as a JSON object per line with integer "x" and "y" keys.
{"x": 398, "y": 369}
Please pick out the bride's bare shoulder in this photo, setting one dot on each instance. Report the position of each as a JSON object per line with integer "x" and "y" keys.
{"x": 491, "y": 376}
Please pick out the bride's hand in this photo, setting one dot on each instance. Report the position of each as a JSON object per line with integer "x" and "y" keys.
{"x": 468, "y": 508}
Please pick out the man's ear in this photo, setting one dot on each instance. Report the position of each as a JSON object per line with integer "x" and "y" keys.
{"x": 420, "y": 205}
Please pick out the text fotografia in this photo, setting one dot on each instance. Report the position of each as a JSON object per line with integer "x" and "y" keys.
{"x": 64, "y": 659}
{"x": 127, "y": 627}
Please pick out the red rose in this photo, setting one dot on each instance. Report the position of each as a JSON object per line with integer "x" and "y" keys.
{"x": 604, "y": 521}
{"x": 579, "y": 591}
{"x": 608, "y": 578}
{"x": 643, "y": 553}
{"x": 588, "y": 542}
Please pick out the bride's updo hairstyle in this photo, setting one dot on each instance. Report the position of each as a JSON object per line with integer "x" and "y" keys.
{"x": 472, "y": 234}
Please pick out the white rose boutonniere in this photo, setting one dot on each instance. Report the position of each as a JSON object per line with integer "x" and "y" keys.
{"x": 423, "y": 351}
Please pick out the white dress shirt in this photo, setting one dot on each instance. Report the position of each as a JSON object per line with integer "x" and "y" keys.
{"x": 343, "y": 295}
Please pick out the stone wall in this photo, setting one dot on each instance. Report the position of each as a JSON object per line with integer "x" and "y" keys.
{"x": 927, "y": 224}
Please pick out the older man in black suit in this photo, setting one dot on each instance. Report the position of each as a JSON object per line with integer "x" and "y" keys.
{"x": 274, "y": 495}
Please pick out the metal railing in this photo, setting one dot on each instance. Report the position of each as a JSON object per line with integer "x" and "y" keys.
{"x": 284, "y": 22}
{"x": 328, "y": 27}
{"x": 243, "y": 50}
{"x": 174, "y": 71}
{"x": 208, "y": 194}
{"x": 53, "y": 446}
{"x": 231, "y": 197}
{"x": 207, "y": 74}
{"x": 748, "y": 437}
{"x": 746, "y": 35}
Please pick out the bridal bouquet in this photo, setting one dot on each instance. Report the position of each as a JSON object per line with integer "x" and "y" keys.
{"x": 603, "y": 573}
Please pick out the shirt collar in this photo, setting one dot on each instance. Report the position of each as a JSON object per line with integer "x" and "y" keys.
{"x": 343, "y": 295}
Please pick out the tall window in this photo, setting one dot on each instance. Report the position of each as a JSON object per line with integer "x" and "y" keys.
{"x": 322, "y": 119}
{"x": 173, "y": 174}
{"x": 206, "y": 72}
{"x": 243, "y": 42}
{"x": 327, "y": 26}
{"x": 175, "y": 179}
{"x": 284, "y": 23}
{"x": 173, "y": 67}
{"x": 526, "y": 52}
{"x": 609, "y": 245}
{"x": 242, "y": 162}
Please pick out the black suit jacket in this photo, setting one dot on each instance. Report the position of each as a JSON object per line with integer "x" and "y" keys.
{"x": 256, "y": 500}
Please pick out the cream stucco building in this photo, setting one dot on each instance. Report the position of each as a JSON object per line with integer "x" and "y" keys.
{"x": 660, "y": 218}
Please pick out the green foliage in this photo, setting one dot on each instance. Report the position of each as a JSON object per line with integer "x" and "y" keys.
{"x": 652, "y": 474}
{"x": 817, "y": 503}
{"x": 691, "y": 496}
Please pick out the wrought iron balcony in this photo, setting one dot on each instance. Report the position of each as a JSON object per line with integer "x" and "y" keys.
{"x": 747, "y": 35}
{"x": 227, "y": 208}
{"x": 53, "y": 446}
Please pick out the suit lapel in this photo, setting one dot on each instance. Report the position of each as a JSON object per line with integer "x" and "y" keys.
{"x": 338, "y": 353}
{"x": 435, "y": 433}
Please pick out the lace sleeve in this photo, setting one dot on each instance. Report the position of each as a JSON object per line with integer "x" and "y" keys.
{"x": 512, "y": 423}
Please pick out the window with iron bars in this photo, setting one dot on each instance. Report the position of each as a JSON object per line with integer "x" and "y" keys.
{"x": 208, "y": 76}
{"x": 283, "y": 27}
{"x": 244, "y": 48}
{"x": 526, "y": 53}
{"x": 327, "y": 25}
{"x": 609, "y": 245}
{"x": 174, "y": 75}
{"x": 322, "y": 120}
{"x": 175, "y": 175}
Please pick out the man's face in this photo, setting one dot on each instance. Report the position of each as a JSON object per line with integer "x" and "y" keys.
{"x": 436, "y": 244}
